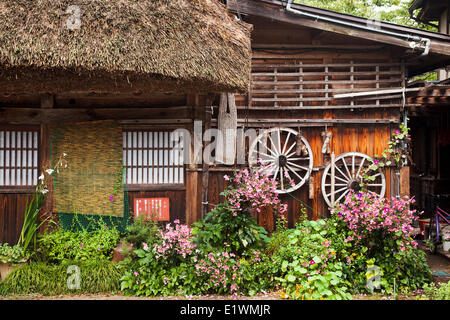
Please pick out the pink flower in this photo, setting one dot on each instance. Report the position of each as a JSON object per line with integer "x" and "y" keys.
{"x": 227, "y": 178}
{"x": 136, "y": 273}
{"x": 376, "y": 162}
{"x": 397, "y": 131}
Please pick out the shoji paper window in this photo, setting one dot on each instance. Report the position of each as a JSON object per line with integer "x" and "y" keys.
{"x": 152, "y": 158}
{"x": 19, "y": 162}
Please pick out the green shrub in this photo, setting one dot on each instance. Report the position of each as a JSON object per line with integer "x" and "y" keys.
{"x": 432, "y": 292}
{"x": 142, "y": 231}
{"x": 12, "y": 254}
{"x": 307, "y": 266}
{"x": 40, "y": 278}
{"x": 257, "y": 273}
{"x": 223, "y": 231}
{"x": 376, "y": 232}
{"x": 63, "y": 245}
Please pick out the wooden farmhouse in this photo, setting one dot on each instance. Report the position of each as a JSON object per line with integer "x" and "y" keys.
{"x": 106, "y": 81}
{"x": 315, "y": 94}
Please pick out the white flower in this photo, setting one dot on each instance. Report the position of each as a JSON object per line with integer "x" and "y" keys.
{"x": 49, "y": 171}
{"x": 44, "y": 191}
{"x": 64, "y": 154}
{"x": 41, "y": 177}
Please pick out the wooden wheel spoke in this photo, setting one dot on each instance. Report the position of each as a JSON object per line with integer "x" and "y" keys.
{"x": 297, "y": 159}
{"x": 351, "y": 174}
{"x": 298, "y": 166}
{"x": 265, "y": 154}
{"x": 286, "y": 143}
{"x": 273, "y": 146}
{"x": 337, "y": 191}
{"x": 290, "y": 148}
{"x": 360, "y": 167}
{"x": 276, "y": 142}
{"x": 343, "y": 180}
{"x": 342, "y": 195}
{"x": 343, "y": 174}
{"x": 346, "y": 168}
{"x": 353, "y": 166}
{"x": 290, "y": 168}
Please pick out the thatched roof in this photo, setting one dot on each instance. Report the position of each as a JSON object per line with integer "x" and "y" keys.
{"x": 161, "y": 45}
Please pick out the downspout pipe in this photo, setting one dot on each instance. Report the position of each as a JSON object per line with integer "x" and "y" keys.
{"x": 407, "y": 37}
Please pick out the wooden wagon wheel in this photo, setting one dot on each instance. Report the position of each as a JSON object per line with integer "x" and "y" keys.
{"x": 349, "y": 168}
{"x": 286, "y": 154}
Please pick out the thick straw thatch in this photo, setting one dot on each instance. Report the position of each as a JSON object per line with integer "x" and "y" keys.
{"x": 122, "y": 45}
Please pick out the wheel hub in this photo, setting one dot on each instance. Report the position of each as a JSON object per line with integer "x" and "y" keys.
{"x": 282, "y": 161}
{"x": 354, "y": 185}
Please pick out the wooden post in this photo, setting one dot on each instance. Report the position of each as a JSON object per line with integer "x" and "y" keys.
{"x": 194, "y": 183}
{"x": 205, "y": 169}
{"x": 47, "y": 102}
{"x": 405, "y": 181}
{"x": 192, "y": 175}
{"x": 333, "y": 158}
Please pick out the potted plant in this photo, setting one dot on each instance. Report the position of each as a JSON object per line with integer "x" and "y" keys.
{"x": 446, "y": 241}
{"x": 10, "y": 259}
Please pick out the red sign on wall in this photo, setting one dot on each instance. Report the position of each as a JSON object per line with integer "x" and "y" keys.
{"x": 154, "y": 208}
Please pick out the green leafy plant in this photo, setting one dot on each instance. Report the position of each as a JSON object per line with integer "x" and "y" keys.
{"x": 141, "y": 231}
{"x": 379, "y": 232}
{"x": 32, "y": 222}
{"x": 12, "y": 254}
{"x": 433, "y": 292}
{"x": 50, "y": 280}
{"x": 307, "y": 264}
{"x": 396, "y": 153}
{"x": 221, "y": 230}
{"x": 64, "y": 245}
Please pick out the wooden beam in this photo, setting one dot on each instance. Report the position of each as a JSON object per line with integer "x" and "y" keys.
{"x": 47, "y": 101}
{"x": 275, "y": 10}
{"x": 278, "y": 13}
{"x": 48, "y": 115}
{"x": 319, "y": 121}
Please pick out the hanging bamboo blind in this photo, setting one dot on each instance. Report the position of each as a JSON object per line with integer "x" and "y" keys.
{"x": 91, "y": 183}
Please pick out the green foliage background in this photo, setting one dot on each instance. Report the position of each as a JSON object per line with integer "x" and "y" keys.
{"x": 393, "y": 11}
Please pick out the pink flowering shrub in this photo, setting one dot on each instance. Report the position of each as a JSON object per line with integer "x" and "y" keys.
{"x": 220, "y": 271}
{"x": 230, "y": 226}
{"x": 253, "y": 189}
{"x": 378, "y": 232}
{"x": 175, "y": 242}
{"x": 372, "y": 220}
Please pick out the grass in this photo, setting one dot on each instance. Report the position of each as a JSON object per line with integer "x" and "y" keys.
{"x": 96, "y": 277}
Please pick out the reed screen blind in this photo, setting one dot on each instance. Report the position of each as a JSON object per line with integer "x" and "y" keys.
{"x": 19, "y": 162}
{"x": 152, "y": 158}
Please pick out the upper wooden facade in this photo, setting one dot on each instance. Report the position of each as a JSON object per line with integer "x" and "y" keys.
{"x": 299, "y": 66}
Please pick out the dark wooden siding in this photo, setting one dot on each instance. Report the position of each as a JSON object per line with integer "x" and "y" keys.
{"x": 12, "y": 210}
